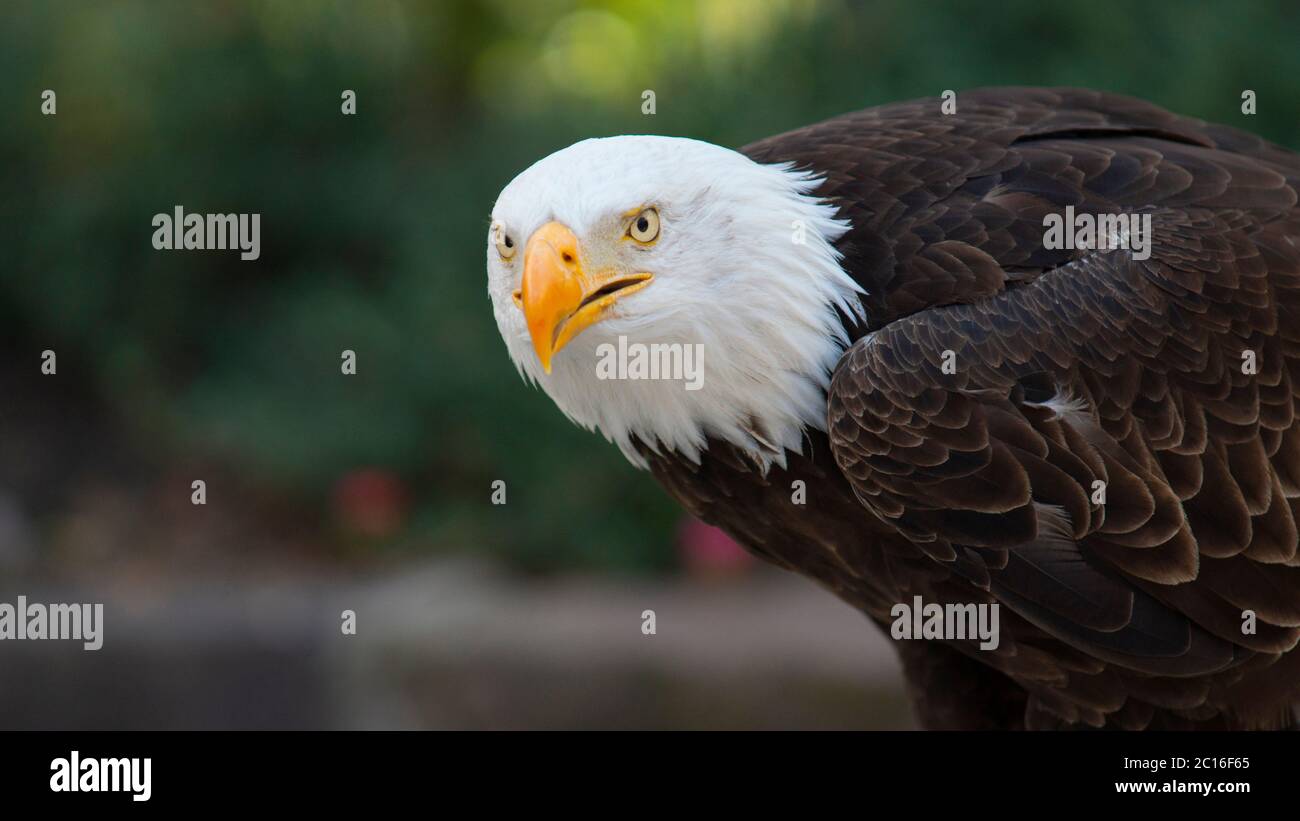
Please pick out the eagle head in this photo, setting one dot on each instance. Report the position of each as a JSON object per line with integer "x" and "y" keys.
{"x": 678, "y": 252}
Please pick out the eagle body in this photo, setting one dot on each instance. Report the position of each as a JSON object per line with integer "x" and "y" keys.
{"x": 1103, "y": 445}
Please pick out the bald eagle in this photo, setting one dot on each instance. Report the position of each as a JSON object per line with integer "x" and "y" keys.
{"x": 909, "y": 392}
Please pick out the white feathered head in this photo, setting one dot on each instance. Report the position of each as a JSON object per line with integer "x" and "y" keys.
{"x": 612, "y": 246}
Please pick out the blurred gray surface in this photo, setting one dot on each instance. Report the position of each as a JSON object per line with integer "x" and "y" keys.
{"x": 458, "y": 645}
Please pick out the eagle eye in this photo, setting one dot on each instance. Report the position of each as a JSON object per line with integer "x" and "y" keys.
{"x": 644, "y": 227}
{"x": 505, "y": 244}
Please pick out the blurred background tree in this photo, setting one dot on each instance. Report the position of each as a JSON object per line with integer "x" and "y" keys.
{"x": 374, "y": 225}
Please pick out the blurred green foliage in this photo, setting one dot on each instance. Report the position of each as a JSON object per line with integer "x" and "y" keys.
{"x": 374, "y": 226}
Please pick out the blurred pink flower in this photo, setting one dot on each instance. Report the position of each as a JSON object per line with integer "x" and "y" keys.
{"x": 370, "y": 502}
{"x": 707, "y": 551}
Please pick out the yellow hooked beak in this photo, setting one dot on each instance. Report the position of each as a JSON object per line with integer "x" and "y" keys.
{"x": 558, "y": 297}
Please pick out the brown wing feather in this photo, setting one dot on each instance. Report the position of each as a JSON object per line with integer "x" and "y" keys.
{"x": 1197, "y": 524}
